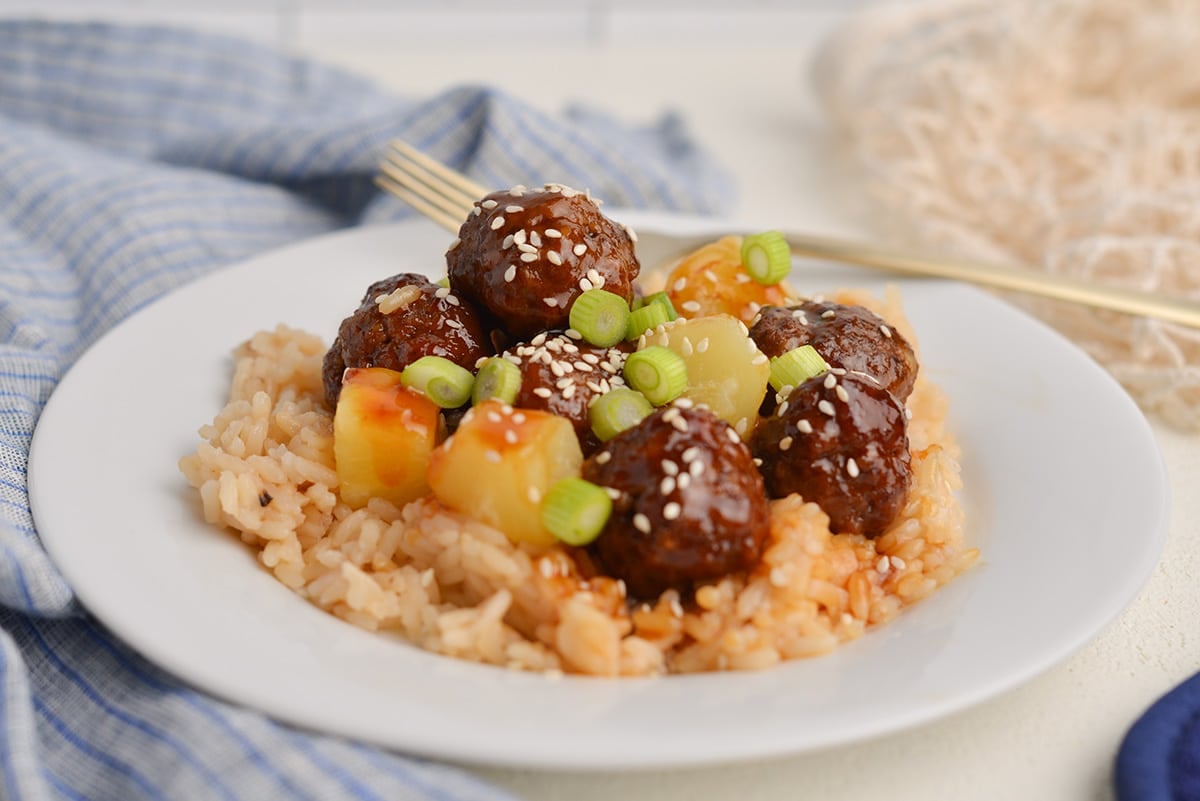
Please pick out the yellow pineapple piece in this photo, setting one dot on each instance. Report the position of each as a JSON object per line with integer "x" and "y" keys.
{"x": 711, "y": 280}
{"x": 726, "y": 370}
{"x": 383, "y": 436}
{"x": 499, "y": 465}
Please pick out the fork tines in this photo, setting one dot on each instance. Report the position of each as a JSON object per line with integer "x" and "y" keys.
{"x": 432, "y": 188}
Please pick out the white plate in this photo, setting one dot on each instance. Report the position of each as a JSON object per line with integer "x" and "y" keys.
{"x": 1065, "y": 490}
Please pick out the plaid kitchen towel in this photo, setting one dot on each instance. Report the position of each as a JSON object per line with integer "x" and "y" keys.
{"x": 132, "y": 160}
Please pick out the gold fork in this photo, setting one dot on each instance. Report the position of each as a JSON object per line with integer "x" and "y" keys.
{"x": 446, "y": 197}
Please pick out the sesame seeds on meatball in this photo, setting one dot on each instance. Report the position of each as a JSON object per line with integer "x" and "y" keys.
{"x": 524, "y": 255}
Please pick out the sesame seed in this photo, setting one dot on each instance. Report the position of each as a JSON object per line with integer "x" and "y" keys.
{"x": 671, "y": 511}
{"x": 475, "y": 212}
{"x": 579, "y": 249}
{"x": 452, "y": 300}
{"x": 733, "y": 436}
{"x": 615, "y": 494}
{"x": 679, "y": 285}
{"x": 596, "y": 278}
{"x": 702, "y": 345}
{"x": 535, "y": 239}
{"x": 761, "y": 358}
{"x": 507, "y": 243}
{"x": 690, "y": 454}
{"x": 542, "y": 392}
{"x": 493, "y": 417}
{"x": 453, "y": 323}
{"x": 441, "y": 292}
{"x": 899, "y": 563}
{"x": 805, "y": 427}
{"x": 741, "y": 278}
{"x": 513, "y": 209}
{"x": 690, "y": 306}
{"x": 519, "y": 237}
{"x": 517, "y": 191}
{"x": 838, "y": 370}
{"x": 683, "y": 403}
{"x": 573, "y": 334}
{"x": 883, "y": 564}
{"x": 510, "y": 437}
{"x": 669, "y": 467}
{"x": 569, "y": 392}
{"x": 757, "y": 461}
{"x": 492, "y": 456}
{"x": 686, "y": 347}
{"x": 683, "y": 480}
{"x": 510, "y": 273}
{"x": 545, "y": 566}
{"x": 583, "y": 366}
{"x": 590, "y": 358}
{"x": 826, "y": 407}
{"x": 525, "y": 247}
{"x": 497, "y": 222}
{"x": 540, "y": 339}
{"x": 778, "y": 577}
{"x": 554, "y": 233}
{"x": 554, "y": 258}
{"x": 603, "y": 456}
{"x": 830, "y": 381}
{"x": 783, "y": 407}
{"x": 489, "y": 204}
{"x": 785, "y": 443}
{"x": 641, "y": 523}
{"x": 852, "y": 467}
{"x": 667, "y": 485}
{"x": 828, "y": 314}
{"x": 551, "y": 302}
{"x": 585, "y": 284}
{"x": 887, "y": 332}
{"x": 679, "y": 424}
{"x": 563, "y": 383}
{"x": 528, "y": 257}
{"x": 741, "y": 426}
{"x": 518, "y": 418}
{"x": 596, "y": 387}
{"x": 842, "y": 394}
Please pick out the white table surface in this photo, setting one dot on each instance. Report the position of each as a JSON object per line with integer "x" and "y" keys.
{"x": 1053, "y": 738}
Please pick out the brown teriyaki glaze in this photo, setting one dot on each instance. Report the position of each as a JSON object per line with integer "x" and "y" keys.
{"x": 851, "y": 337}
{"x": 689, "y": 505}
{"x": 434, "y": 322}
{"x": 840, "y": 441}
{"x": 562, "y": 374}
{"x": 524, "y": 255}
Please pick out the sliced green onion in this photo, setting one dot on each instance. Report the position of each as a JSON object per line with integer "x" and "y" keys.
{"x": 664, "y": 300}
{"x": 658, "y": 373}
{"x": 617, "y": 410}
{"x": 600, "y": 316}
{"x": 444, "y": 282}
{"x": 575, "y": 511}
{"x": 795, "y": 367}
{"x": 646, "y": 319}
{"x": 496, "y": 378}
{"x": 766, "y": 257}
{"x": 440, "y": 380}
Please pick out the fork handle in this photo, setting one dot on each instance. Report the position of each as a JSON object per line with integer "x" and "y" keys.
{"x": 1129, "y": 301}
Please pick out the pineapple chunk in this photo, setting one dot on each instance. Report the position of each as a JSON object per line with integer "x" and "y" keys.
{"x": 711, "y": 280}
{"x": 499, "y": 465}
{"x": 383, "y": 436}
{"x": 726, "y": 370}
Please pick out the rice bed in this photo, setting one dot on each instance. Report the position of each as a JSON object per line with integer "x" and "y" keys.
{"x": 265, "y": 469}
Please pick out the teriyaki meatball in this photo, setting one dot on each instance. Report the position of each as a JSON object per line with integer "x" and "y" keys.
{"x": 524, "y": 255}
{"x": 399, "y": 320}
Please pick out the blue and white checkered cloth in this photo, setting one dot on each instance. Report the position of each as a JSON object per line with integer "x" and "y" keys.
{"x": 133, "y": 160}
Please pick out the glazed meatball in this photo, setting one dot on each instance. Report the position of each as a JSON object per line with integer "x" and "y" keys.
{"x": 691, "y": 505}
{"x": 563, "y": 375}
{"x": 840, "y": 441}
{"x": 850, "y": 337}
{"x": 525, "y": 255}
{"x": 399, "y": 320}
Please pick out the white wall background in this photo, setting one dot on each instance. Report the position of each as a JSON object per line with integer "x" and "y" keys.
{"x": 324, "y": 25}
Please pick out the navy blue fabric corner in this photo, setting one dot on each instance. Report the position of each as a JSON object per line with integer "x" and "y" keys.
{"x": 1159, "y": 760}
